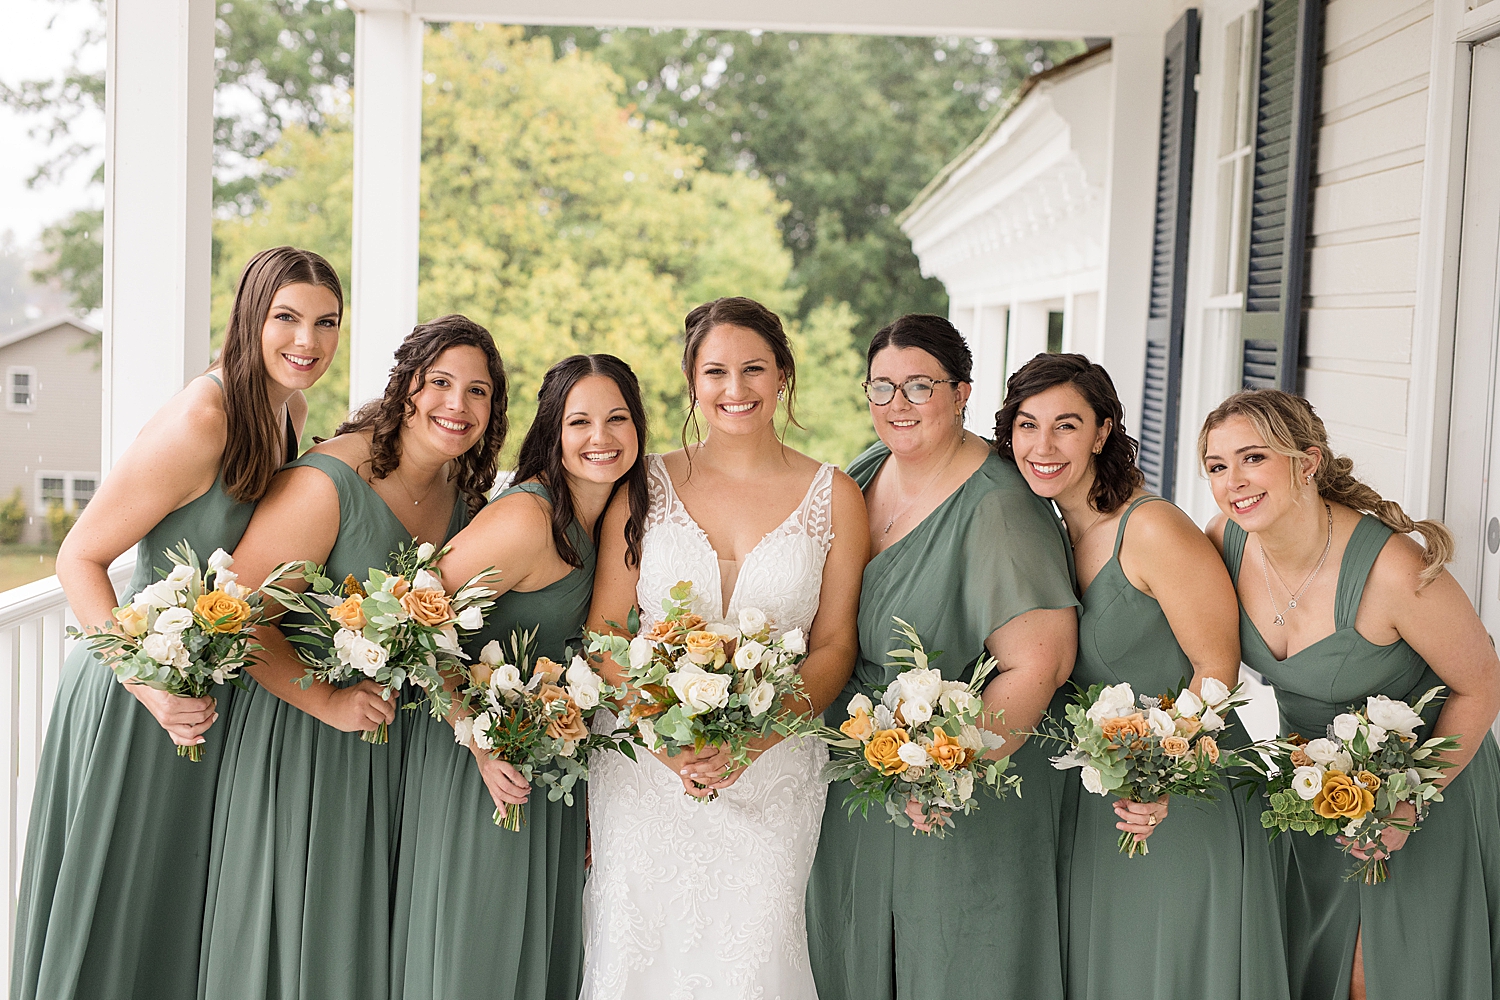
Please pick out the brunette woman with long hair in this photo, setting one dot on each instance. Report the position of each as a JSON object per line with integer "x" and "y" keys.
{"x": 112, "y": 888}
{"x": 1339, "y": 604}
{"x": 481, "y": 911}
{"x": 303, "y": 855}
{"x": 1158, "y": 611}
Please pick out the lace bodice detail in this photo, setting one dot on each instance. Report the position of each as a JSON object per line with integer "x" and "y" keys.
{"x": 781, "y": 576}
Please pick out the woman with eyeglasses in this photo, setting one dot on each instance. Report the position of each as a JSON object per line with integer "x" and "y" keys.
{"x": 976, "y": 562}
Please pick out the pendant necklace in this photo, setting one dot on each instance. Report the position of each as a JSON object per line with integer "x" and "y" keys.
{"x": 407, "y": 489}
{"x": 1280, "y": 618}
{"x": 931, "y": 479}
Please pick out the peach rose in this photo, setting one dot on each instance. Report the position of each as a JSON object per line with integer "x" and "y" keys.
{"x": 350, "y": 614}
{"x": 1300, "y": 758}
{"x": 569, "y": 725}
{"x": 858, "y": 726}
{"x": 353, "y": 587}
{"x": 1342, "y": 797}
{"x": 1208, "y": 748}
{"x": 1174, "y": 746}
{"x": 883, "y": 751}
{"x": 550, "y": 671}
{"x": 427, "y": 607}
{"x": 946, "y": 752}
{"x": 1122, "y": 727}
{"x": 704, "y": 647}
{"x": 399, "y": 586}
{"x": 481, "y": 672}
{"x": 1370, "y": 781}
{"x": 1188, "y": 726}
{"x": 216, "y": 604}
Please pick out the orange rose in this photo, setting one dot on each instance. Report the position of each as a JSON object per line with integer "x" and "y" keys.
{"x": 1342, "y": 797}
{"x": 1370, "y": 781}
{"x": 549, "y": 671}
{"x": 858, "y": 726}
{"x": 1122, "y": 727}
{"x": 946, "y": 752}
{"x": 1208, "y": 748}
{"x": 883, "y": 751}
{"x": 350, "y": 614}
{"x": 428, "y": 607}
{"x": 1174, "y": 746}
{"x": 216, "y": 604}
{"x": 660, "y": 631}
{"x": 1300, "y": 758}
{"x": 352, "y": 587}
{"x": 398, "y": 588}
{"x": 1188, "y": 726}
{"x": 704, "y": 647}
{"x": 569, "y": 725}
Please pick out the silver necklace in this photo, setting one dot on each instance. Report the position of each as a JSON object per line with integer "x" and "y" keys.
{"x": 1264, "y": 562}
{"x": 407, "y": 489}
{"x": 930, "y": 480}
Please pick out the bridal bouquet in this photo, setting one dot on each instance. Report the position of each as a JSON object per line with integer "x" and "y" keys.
{"x": 1349, "y": 782}
{"x": 398, "y": 627}
{"x": 1142, "y": 749}
{"x": 925, "y": 742}
{"x": 535, "y": 715}
{"x": 700, "y": 683}
{"x": 183, "y": 634}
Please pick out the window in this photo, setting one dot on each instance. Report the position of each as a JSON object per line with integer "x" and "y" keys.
{"x": 1236, "y": 145}
{"x": 1054, "y": 332}
{"x": 83, "y": 491}
{"x": 20, "y": 388}
{"x": 73, "y": 490}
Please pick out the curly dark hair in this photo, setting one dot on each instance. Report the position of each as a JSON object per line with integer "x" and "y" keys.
{"x": 1116, "y": 476}
{"x": 474, "y": 469}
{"x": 541, "y": 451}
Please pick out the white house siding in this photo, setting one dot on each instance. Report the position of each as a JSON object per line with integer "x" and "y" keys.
{"x": 1367, "y": 201}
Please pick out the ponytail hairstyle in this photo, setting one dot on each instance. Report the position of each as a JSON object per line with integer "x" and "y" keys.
{"x": 474, "y": 469}
{"x": 735, "y": 311}
{"x": 541, "y": 452}
{"x": 1116, "y": 476}
{"x": 252, "y": 452}
{"x": 1290, "y": 427}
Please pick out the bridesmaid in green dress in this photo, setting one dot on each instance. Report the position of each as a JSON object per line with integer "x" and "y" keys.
{"x": 305, "y": 825}
{"x": 1158, "y": 609}
{"x": 117, "y": 851}
{"x": 481, "y": 911}
{"x": 973, "y": 560}
{"x": 1384, "y": 617}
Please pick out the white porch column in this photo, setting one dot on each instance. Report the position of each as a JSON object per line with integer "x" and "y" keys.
{"x": 1135, "y": 121}
{"x": 158, "y": 208}
{"x": 387, "y": 192}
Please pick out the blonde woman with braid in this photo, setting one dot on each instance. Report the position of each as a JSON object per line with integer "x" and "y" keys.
{"x": 1337, "y": 603}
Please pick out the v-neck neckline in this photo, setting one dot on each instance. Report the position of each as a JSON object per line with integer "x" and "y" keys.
{"x": 922, "y": 524}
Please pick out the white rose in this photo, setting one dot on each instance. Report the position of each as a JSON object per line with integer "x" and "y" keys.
{"x": 1161, "y": 723}
{"x": 748, "y": 655}
{"x": 1092, "y": 780}
{"x": 179, "y": 578}
{"x": 860, "y": 703}
{"x": 481, "y": 731}
{"x": 752, "y": 621}
{"x": 1322, "y": 751}
{"x": 960, "y": 700}
{"x": 583, "y": 684}
{"x": 506, "y": 681}
{"x": 220, "y": 561}
{"x": 224, "y": 579}
{"x": 794, "y": 642}
{"x": 363, "y": 655}
{"x": 447, "y": 640}
{"x": 1307, "y": 782}
{"x": 916, "y": 710}
{"x": 761, "y": 697}
{"x": 158, "y": 595}
{"x": 173, "y": 620}
{"x": 237, "y": 590}
{"x": 698, "y": 690}
{"x": 463, "y": 731}
{"x": 924, "y": 685}
{"x": 1345, "y": 726}
{"x": 1393, "y": 716}
{"x": 641, "y": 650}
{"x": 1374, "y": 735}
{"x": 426, "y": 581}
{"x": 1214, "y": 691}
{"x": 1211, "y": 721}
{"x": 470, "y": 618}
{"x": 1188, "y": 703}
{"x": 165, "y": 649}
{"x": 425, "y": 551}
{"x": 1114, "y": 701}
{"x": 914, "y": 755}
{"x": 491, "y": 653}
{"x": 648, "y": 733}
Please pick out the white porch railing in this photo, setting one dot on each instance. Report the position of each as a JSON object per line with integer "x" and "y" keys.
{"x": 33, "y": 644}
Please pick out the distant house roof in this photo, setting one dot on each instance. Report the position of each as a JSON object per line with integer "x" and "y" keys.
{"x": 45, "y": 326}
{"x": 1062, "y": 69}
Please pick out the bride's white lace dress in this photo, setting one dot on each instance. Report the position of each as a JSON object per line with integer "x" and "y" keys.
{"x": 691, "y": 900}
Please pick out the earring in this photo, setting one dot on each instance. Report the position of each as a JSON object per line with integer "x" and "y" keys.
{"x": 781, "y": 393}
{"x": 1308, "y": 478}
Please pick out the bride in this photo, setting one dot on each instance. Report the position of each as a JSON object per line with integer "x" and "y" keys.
{"x": 700, "y": 895}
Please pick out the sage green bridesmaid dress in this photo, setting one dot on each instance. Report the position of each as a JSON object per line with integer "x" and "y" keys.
{"x": 118, "y": 844}
{"x": 305, "y": 825}
{"x": 891, "y": 913}
{"x": 481, "y": 911}
{"x": 1433, "y": 928}
{"x": 1201, "y": 915}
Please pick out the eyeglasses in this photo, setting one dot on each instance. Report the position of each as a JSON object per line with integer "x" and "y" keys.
{"x": 917, "y": 389}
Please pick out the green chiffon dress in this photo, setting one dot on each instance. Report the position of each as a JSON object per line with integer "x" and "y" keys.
{"x": 891, "y": 913}
{"x": 1432, "y": 929}
{"x": 306, "y": 820}
{"x": 481, "y": 911}
{"x": 117, "y": 850}
{"x": 1201, "y": 915}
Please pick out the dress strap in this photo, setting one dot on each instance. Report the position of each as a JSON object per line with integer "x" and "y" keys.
{"x": 1234, "y": 547}
{"x": 1125, "y": 518}
{"x": 217, "y": 382}
{"x": 534, "y": 488}
{"x": 816, "y": 513}
{"x": 1369, "y": 537}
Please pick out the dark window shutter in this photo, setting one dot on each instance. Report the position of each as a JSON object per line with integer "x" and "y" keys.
{"x": 1169, "y": 257}
{"x": 1281, "y": 192}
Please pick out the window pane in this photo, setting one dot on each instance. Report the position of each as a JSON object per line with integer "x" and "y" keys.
{"x": 52, "y": 489}
{"x": 83, "y": 492}
{"x": 20, "y": 385}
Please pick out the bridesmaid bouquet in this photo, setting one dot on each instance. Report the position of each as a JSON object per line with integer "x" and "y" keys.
{"x": 1349, "y": 782}
{"x": 398, "y": 627}
{"x": 183, "y": 634}
{"x": 1143, "y": 748}
{"x": 535, "y": 715}
{"x": 699, "y": 684}
{"x": 922, "y": 743}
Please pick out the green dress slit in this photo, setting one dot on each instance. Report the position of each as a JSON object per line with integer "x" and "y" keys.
{"x": 305, "y": 824}
{"x": 481, "y": 911}
{"x": 118, "y": 844}
{"x": 1201, "y": 915}
{"x": 894, "y": 914}
{"x": 1432, "y": 929}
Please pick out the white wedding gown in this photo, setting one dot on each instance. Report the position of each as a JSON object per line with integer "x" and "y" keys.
{"x": 691, "y": 900}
